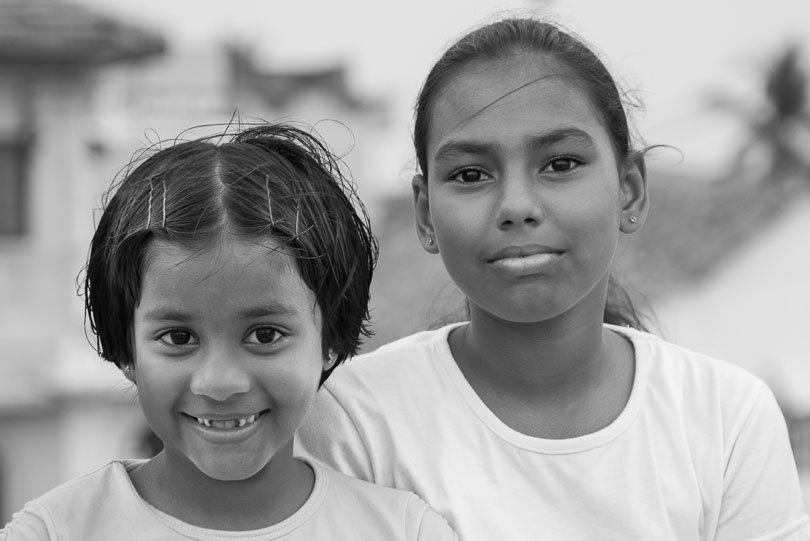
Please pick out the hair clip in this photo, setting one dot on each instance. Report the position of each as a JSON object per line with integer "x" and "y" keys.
{"x": 269, "y": 204}
{"x": 297, "y": 216}
{"x": 149, "y": 208}
{"x": 163, "y": 181}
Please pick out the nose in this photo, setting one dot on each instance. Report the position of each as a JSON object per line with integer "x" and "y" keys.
{"x": 519, "y": 203}
{"x": 219, "y": 375}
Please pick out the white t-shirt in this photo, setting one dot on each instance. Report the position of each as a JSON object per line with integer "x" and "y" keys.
{"x": 104, "y": 506}
{"x": 700, "y": 451}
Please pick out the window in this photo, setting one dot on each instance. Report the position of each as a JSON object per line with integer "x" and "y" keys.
{"x": 13, "y": 185}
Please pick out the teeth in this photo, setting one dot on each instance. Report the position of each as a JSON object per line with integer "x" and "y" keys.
{"x": 227, "y": 424}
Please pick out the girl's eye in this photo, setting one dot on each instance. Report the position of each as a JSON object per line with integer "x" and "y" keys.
{"x": 561, "y": 165}
{"x": 264, "y": 335}
{"x": 470, "y": 175}
{"x": 178, "y": 337}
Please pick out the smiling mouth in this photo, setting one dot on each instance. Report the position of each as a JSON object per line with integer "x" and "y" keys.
{"x": 228, "y": 424}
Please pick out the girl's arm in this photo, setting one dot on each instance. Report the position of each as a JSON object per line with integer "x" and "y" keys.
{"x": 330, "y": 436}
{"x": 431, "y": 525}
{"x": 762, "y": 497}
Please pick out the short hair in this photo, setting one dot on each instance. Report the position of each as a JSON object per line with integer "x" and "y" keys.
{"x": 268, "y": 180}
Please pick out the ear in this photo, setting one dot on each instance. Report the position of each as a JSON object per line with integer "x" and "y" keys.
{"x": 421, "y": 207}
{"x": 129, "y": 373}
{"x": 635, "y": 200}
{"x": 329, "y": 361}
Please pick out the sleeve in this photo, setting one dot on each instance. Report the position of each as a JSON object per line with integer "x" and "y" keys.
{"x": 425, "y": 524}
{"x": 761, "y": 495}
{"x": 330, "y": 436}
{"x": 26, "y": 525}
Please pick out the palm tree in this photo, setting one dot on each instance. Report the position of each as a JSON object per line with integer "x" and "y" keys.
{"x": 777, "y": 144}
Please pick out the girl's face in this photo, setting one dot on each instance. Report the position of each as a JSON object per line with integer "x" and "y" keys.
{"x": 525, "y": 197}
{"x": 228, "y": 354}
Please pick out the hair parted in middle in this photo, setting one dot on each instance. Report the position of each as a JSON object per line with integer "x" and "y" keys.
{"x": 266, "y": 181}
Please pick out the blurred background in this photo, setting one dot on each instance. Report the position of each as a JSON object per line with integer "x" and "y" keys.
{"x": 722, "y": 266}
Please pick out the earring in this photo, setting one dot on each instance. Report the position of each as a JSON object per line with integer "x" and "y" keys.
{"x": 129, "y": 372}
{"x": 633, "y": 219}
{"x": 429, "y": 241}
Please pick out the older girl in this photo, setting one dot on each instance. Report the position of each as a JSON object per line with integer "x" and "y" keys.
{"x": 550, "y": 414}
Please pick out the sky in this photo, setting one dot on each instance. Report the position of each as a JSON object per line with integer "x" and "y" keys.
{"x": 672, "y": 55}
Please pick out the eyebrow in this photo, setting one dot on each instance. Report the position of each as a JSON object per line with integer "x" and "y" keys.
{"x": 455, "y": 147}
{"x": 560, "y": 135}
{"x": 167, "y": 313}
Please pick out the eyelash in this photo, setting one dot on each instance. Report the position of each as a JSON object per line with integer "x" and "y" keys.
{"x": 277, "y": 335}
{"x": 575, "y": 163}
{"x": 454, "y": 176}
{"x": 169, "y": 332}
{"x": 194, "y": 341}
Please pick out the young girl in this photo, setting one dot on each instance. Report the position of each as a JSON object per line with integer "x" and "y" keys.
{"x": 227, "y": 280}
{"x": 548, "y": 415}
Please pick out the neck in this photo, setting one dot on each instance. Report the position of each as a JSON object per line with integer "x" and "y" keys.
{"x": 559, "y": 378}
{"x": 171, "y": 483}
{"x": 538, "y": 359}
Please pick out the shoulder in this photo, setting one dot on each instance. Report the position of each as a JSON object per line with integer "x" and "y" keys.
{"x": 381, "y": 507}
{"x": 414, "y": 358}
{"x": 690, "y": 371}
{"x": 355, "y": 414}
{"x": 364, "y": 493}
{"x": 65, "y": 508}
{"x": 88, "y": 489}
{"x": 412, "y": 348}
{"x": 707, "y": 395}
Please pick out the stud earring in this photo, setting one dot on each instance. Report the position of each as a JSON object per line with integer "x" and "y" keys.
{"x": 633, "y": 219}
{"x": 429, "y": 241}
{"x": 129, "y": 372}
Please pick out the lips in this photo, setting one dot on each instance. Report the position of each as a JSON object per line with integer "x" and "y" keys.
{"x": 527, "y": 250}
{"x": 524, "y": 260}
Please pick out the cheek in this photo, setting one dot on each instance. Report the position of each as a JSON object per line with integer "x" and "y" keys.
{"x": 295, "y": 381}
{"x": 294, "y": 385}
{"x": 590, "y": 223}
{"x": 157, "y": 384}
{"x": 456, "y": 220}
{"x": 595, "y": 207}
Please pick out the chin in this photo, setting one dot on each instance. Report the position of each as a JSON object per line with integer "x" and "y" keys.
{"x": 230, "y": 470}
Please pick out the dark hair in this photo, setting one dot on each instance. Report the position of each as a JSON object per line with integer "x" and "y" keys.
{"x": 269, "y": 180}
{"x": 511, "y": 37}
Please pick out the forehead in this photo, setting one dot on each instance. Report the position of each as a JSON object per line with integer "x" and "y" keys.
{"x": 229, "y": 276}
{"x": 223, "y": 254}
{"x": 523, "y": 93}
